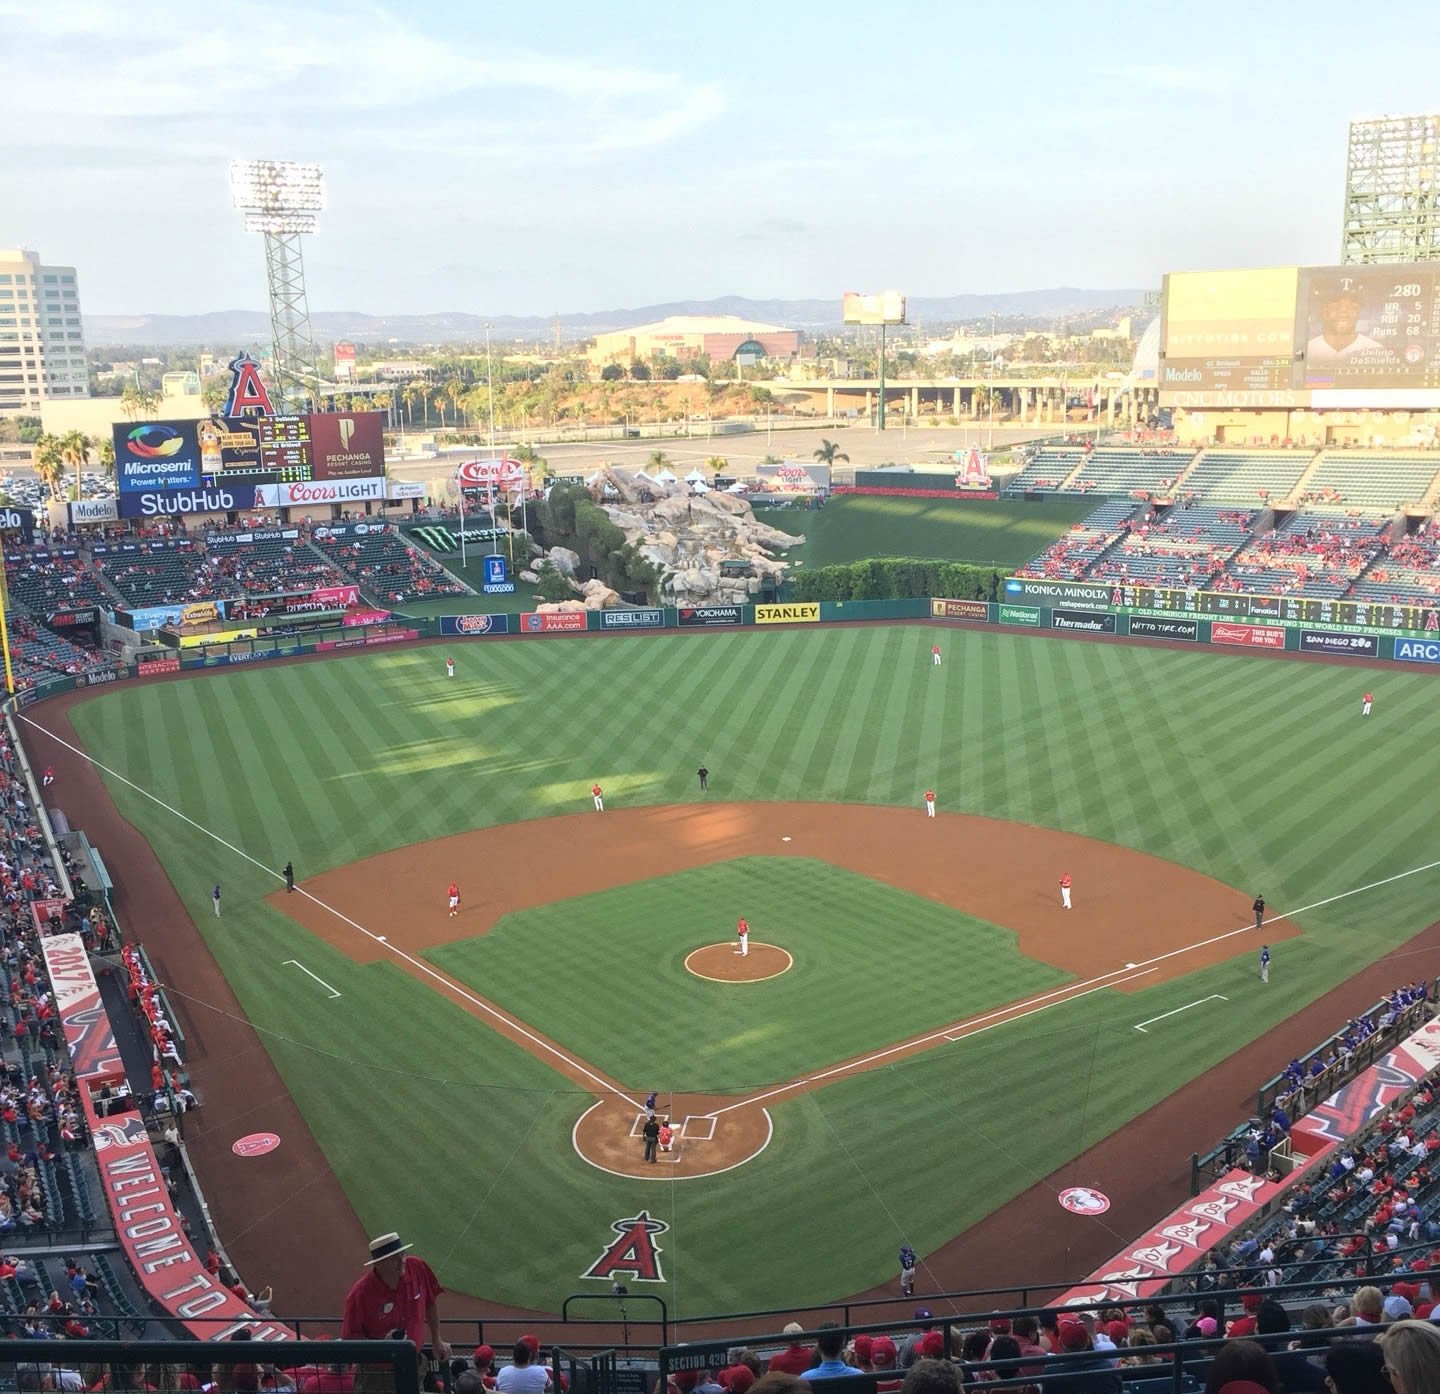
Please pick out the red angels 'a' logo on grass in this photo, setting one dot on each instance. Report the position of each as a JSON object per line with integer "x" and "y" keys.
{"x": 635, "y": 1254}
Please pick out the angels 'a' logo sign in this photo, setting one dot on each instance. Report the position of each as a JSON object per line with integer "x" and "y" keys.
{"x": 248, "y": 395}
{"x": 634, "y": 1254}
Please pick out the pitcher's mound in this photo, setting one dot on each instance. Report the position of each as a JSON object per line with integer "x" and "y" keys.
{"x": 720, "y": 963}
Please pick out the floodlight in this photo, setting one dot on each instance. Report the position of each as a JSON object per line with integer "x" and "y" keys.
{"x": 280, "y": 196}
{"x": 281, "y": 199}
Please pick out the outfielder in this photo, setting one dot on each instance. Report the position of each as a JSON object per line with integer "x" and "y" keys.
{"x": 935, "y": 654}
{"x": 929, "y": 803}
{"x": 454, "y": 895}
{"x": 598, "y": 794}
{"x": 1365, "y": 706}
{"x": 1264, "y": 963}
{"x": 449, "y": 667}
{"x": 742, "y": 931}
{"x": 1065, "y": 890}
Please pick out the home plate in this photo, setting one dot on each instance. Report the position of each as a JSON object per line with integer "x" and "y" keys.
{"x": 784, "y": 839}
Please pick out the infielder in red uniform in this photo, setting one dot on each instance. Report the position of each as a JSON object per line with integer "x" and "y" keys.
{"x": 598, "y": 794}
{"x": 929, "y": 803}
{"x": 742, "y": 931}
{"x": 454, "y": 894}
{"x": 1065, "y": 890}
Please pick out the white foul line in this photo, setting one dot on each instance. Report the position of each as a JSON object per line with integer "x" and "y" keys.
{"x": 292, "y": 963}
{"x": 1213, "y": 997}
{"x": 605, "y": 1086}
{"x": 449, "y": 984}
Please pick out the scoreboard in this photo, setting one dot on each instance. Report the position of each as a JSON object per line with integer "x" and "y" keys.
{"x": 1281, "y": 609}
{"x": 285, "y": 448}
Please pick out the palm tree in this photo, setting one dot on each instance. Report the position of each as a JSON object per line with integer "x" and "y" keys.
{"x": 658, "y": 460}
{"x": 107, "y": 456}
{"x": 75, "y": 450}
{"x": 130, "y": 401}
{"x": 455, "y": 393}
{"x": 437, "y": 396}
{"x": 384, "y": 401}
{"x": 829, "y": 453}
{"x": 717, "y": 464}
{"x": 49, "y": 463}
{"x": 414, "y": 395}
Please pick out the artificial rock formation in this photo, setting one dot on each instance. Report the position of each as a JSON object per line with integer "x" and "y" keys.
{"x": 689, "y": 535}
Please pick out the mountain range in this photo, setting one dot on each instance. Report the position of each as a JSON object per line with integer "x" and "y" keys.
{"x": 224, "y": 328}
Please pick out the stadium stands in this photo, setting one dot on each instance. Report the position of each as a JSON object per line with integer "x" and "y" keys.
{"x": 1251, "y": 476}
{"x": 37, "y": 653}
{"x": 266, "y": 566}
{"x": 172, "y": 576}
{"x": 45, "y": 581}
{"x": 387, "y": 567}
{"x": 1047, "y": 470}
{"x": 1111, "y": 471}
{"x": 1356, "y": 479}
{"x": 1185, "y": 545}
{"x": 1408, "y": 572}
{"x": 1316, "y": 554}
{"x": 1068, "y": 558}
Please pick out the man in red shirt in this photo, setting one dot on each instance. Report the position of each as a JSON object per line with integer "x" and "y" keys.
{"x": 742, "y": 932}
{"x": 798, "y": 1356}
{"x": 598, "y": 794}
{"x": 1364, "y": 710}
{"x": 454, "y": 896}
{"x": 397, "y": 1294}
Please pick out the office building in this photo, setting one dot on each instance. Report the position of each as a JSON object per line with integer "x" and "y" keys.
{"x": 42, "y": 346}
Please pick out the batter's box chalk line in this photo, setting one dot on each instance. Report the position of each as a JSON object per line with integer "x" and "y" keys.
{"x": 694, "y": 1121}
{"x": 637, "y": 1126}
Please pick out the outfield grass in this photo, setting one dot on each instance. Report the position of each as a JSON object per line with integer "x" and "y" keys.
{"x": 841, "y": 928}
{"x": 853, "y": 527}
{"x": 1255, "y": 771}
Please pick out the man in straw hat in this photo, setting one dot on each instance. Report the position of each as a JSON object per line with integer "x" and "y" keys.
{"x": 397, "y": 1294}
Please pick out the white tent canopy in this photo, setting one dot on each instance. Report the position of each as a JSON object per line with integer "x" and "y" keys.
{"x": 700, "y": 487}
{"x": 695, "y": 477}
{"x": 666, "y": 476}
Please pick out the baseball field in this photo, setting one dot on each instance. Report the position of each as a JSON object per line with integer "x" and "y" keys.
{"x": 923, "y": 1033}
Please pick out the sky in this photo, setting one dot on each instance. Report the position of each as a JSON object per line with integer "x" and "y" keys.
{"x": 530, "y": 159}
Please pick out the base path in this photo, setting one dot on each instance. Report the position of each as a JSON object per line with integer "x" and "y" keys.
{"x": 1136, "y": 921}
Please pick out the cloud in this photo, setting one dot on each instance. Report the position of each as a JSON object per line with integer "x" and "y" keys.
{"x": 312, "y": 79}
{"x": 1167, "y": 77}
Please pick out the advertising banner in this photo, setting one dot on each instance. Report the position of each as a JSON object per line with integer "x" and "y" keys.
{"x": 164, "y": 503}
{"x": 1019, "y": 614}
{"x": 67, "y": 619}
{"x": 97, "y": 679}
{"x": 472, "y": 625}
{"x": 88, "y": 1036}
{"x": 404, "y": 489}
{"x": 216, "y": 636}
{"x": 154, "y": 1240}
{"x": 150, "y": 617}
{"x": 1255, "y": 636}
{"x": 553, "y": 621}
{"x": 1073, "y": 593}
{"x": 236, "y": 539}
{"x": 321, "y": 491}
{"x": 350, "y": 530}
{"x": 21, "y": 520}
{"x": 886, "y": 307}
{"x": 807, "y": 612}
{"x": 393, "y": 636}
{"x": 358, "y": 617}
{"x": 497, "y": 576}
{"x": 229, "y": 443}
{"x": 93, "y": 511}
{"x": 1142, "y": 626}
{"x": 704, "y": 616}
{"x": 1086, "y": 621}
{"x": 794, "y": 477}
{"x": 147, "y": 666}
{"x": 336, "y": 597}
{"x": 157, "y": 455}
{"x": 1148, "y": 1266}
{"x": 632, "y": 619}
{"x": 48, "y": 916}
{"x": 1350, "y": 645}
{"x": 267, "y": 607}
{"x": 1417, "y": 650}
{"x": 959, "y": 609}
{"x": 348, "y": 445}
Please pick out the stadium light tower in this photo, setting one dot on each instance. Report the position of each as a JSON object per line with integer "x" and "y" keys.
{"x": 1392, "y": 191}
{"x": 282, "y": 200}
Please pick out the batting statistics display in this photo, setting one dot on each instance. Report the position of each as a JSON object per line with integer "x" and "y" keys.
{"x": 1319, "y": 336}
{"x": 1286, "y": 609}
